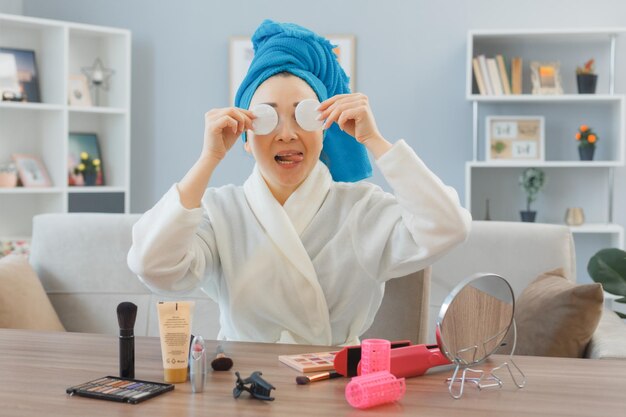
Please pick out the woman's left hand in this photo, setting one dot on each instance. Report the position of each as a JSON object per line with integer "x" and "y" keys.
{"x": 353, "y": 114}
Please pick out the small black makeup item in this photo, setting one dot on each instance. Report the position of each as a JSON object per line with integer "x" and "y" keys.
{"x": 257, "y": 386}
{"x": 124, "y": 390}
{"x": 126, "y": 315}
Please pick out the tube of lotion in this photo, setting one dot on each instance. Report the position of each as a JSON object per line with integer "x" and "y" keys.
{"x": 175, "y": 331}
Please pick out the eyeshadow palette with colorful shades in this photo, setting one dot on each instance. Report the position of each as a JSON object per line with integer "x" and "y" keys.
{"x": 124, "y": 390}
{"x": 310, "y": 362}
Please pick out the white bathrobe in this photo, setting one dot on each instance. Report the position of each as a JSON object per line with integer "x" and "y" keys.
{"x": 311, "y": 271}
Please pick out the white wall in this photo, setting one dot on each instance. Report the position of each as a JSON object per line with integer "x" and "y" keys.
{"x": 410, "y": 62}
{"x": 11, "y": 6}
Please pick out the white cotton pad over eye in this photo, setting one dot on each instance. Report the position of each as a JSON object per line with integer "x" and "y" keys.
{"x": 266, "y": 119}
{"x": 306, "y": 115}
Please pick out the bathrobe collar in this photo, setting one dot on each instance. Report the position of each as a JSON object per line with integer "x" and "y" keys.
{"x": 284, "y": 226}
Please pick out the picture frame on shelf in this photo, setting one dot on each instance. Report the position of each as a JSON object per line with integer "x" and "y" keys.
{"x": 9, "y": 83}
{"x": 515, "y": 138}
{"x": 78, "y": 91}
{"x": 31, "y": 171}
{"x": 241, "y": 53}
{"x": 23, "y": 61}
{"x": 79, "y": 142}
{"x": 546, "y": 78}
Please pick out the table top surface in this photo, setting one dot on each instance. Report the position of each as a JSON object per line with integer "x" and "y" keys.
{"x": 37, "y": 367}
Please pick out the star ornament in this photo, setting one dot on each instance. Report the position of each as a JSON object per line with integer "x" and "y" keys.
{"x": 98, "y": 75}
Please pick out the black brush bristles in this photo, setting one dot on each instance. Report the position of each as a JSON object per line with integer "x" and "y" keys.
{"x": 221, "y": 361}
{"x": 126, "y": 315}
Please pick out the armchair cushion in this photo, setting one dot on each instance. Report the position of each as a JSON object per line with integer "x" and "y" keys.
{"x": 609, "y": 339}
{"x": 23, "y": 301}
{"x": 556, "y": 317}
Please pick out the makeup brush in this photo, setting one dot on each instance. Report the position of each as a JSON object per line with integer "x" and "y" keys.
{"x": 126, "y": 315}
{"x": 221, "y": 361}
{"x": 303, "y": 379}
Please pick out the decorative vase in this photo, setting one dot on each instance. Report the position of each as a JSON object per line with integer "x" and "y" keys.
{"x": 528, "y": 216}
{"x": 587, "y": 83}
{"x": 586, "y": 152}
{"x": 574, "y": 216}
{"x": 90, "y": 178}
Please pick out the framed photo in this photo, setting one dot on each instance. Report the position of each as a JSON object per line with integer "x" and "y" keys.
{"x": 241, "y": 53}
{"x": 78, "y": 91}
{"x": 20, "y": 64}
{"x": 31, "y": 171}
{"x": 9, "y": 83}
{"x": 546, "y": 77}
{"x": 78, "y": 143}
{"x": 515, "y": 138}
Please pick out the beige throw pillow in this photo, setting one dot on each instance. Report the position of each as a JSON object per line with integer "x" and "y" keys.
{"x": 23, "y": 302}
{"x": 556, "y": 317}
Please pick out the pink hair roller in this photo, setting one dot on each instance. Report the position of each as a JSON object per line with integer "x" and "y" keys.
{"x": 375, "y": 356}
{"x": 369, "y": 390}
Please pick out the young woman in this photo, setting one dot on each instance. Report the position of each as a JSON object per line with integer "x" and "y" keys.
{"x": 297, "y": 254}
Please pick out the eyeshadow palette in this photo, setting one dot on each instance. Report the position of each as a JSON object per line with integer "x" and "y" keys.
{"x": 123, "y": 390}
{"x": 310, "y": 362}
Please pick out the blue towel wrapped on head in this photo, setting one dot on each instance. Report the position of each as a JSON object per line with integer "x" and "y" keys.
{"x": 287, "y": 47}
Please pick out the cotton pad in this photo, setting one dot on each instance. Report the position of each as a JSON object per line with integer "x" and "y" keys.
{"x": 266, "y": 119}
{"x": 306, "y": 115}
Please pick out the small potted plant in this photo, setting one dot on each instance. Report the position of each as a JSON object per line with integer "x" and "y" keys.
{"x": 586, "y": 139}
{"x": 531, "y": 180}
{"x": 586, "y": 78}
{"x": 88, "y": 168}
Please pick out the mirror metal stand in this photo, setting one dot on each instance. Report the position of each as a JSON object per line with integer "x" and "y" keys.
{"x": 485, "y": 380}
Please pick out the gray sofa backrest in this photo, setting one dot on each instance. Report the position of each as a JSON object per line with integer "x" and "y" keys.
{"x": 81, "y": 262}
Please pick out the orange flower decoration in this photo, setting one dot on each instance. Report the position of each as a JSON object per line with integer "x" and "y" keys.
{"x": 591, "y": 138}
{"x": 584, "y": 128}
{"x": 578, "y": 136}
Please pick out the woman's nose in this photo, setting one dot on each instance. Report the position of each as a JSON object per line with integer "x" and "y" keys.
{"x": 286, "y": 129}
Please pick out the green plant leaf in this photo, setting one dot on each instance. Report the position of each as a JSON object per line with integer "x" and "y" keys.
{"x": 608, "y": 267}
{"x": 623, "y": 316}
{"x": 621, "y": 300}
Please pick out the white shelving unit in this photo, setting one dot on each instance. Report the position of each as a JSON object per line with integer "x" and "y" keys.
{"x": 42, "y": 129}
{"x": 569, "y": 181}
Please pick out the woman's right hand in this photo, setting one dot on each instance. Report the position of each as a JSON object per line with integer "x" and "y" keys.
{"x": 222, "y": 127}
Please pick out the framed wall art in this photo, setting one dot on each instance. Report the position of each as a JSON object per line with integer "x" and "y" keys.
{"x": 78, "y": 143}
{"x": 241, "y": 54}
{"x": 20, "y": 65}
{"x": 515, "y": 138}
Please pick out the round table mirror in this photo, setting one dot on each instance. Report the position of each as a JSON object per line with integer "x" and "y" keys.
{"x": 475, "y": 318}
{"x": 473, "y": 323}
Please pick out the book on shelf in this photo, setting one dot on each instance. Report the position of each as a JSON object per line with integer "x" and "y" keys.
{"x": 516, "y": 75}
{"x": 478, "y": 76}
{"x": 504, "y": 76}
{"x": 494, "y": 76}
{"x": 482, "y": 61}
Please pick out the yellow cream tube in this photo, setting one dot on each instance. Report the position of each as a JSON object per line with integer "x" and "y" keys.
{"x": 175, "y": 331}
